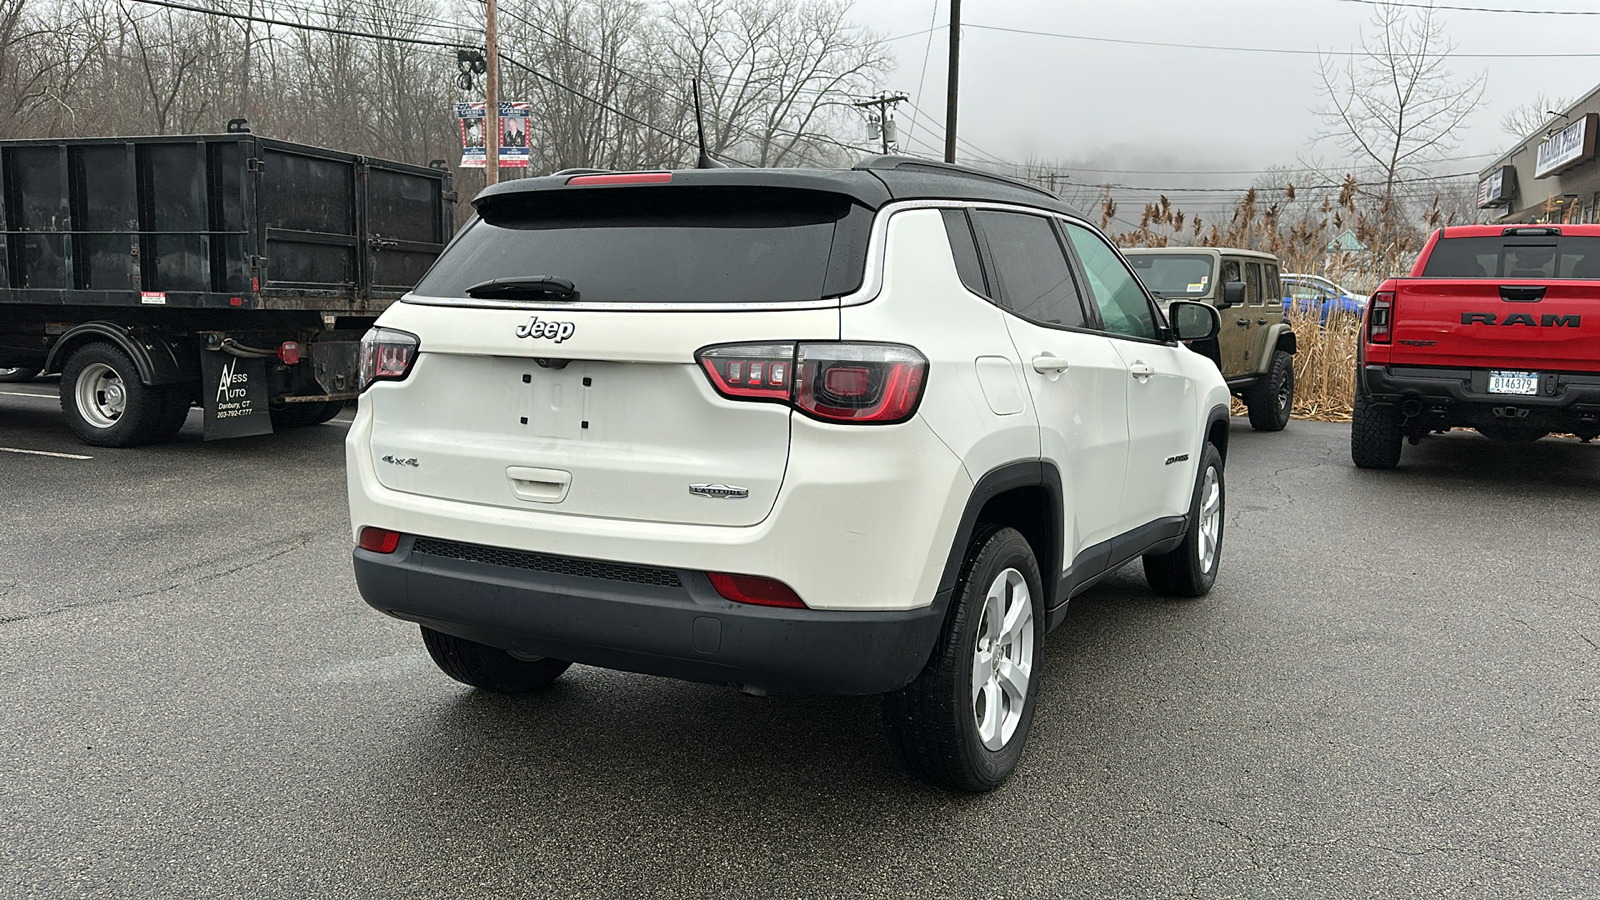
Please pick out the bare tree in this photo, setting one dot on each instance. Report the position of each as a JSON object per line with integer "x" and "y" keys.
{"x": 1528, "y": 118}
{"x": 1395, "y": 109}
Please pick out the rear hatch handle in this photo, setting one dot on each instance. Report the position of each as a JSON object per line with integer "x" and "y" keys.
{"x": 1521, "y": 293}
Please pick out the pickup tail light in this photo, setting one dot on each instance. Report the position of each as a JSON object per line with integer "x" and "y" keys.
{"x": 1380, "y": 317}
{"x": 387, "y": 354}
{"x": 755, "y": 590}
{"x": 832, "y": 381}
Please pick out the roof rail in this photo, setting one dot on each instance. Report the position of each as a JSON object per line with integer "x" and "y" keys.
{"x": 893, "y": 161}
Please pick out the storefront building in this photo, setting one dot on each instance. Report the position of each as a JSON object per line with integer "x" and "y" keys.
{"x": 1552, "y": 176}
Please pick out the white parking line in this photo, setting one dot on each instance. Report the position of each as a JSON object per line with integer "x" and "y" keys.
{"x": 24, "y": 394}
{"x": 44, "y": 453}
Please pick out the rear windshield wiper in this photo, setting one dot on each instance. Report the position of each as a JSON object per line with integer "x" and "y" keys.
{"x": 526, "y": 287}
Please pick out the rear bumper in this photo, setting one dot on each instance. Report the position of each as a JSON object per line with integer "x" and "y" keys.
{"x": 667, "y": 622}
{"x": 1465, "y": 392}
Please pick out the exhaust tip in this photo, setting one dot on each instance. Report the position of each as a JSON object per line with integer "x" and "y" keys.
{"x": 1411, "y": 407}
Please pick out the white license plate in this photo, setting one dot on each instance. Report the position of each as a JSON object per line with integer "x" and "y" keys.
{"x": 1513, "y": 382}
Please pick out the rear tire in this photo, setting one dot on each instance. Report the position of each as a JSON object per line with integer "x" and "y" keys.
{"x": 104, "y": 401}
{"x": 1191, "y": 569}
{"x": 21, "y": 373}
{"x": 944, "y": 728}
{"x": 489, "y": 668}
{"x": 1271, "y": 401}
{"x": 1375, "y": 436}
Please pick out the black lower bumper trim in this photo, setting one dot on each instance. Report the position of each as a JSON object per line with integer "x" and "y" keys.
{"x": 681, "y": 631}
{"x": 1462, "y": 395}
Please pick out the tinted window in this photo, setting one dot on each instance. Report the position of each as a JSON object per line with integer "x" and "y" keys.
{"x": 1174, "y": 274}
{"x": 1555, "y": 256}
{"x": 664, "y": 244}
{"x": 1124, "y": 309}
{"x": 1274, "y": 288}
{"x": 1035, "y": 279}
{"x": 965, "y": 249}
{"x": 1252, "y": 283}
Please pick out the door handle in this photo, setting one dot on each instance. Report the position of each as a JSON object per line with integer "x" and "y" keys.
{"x": 1141, "y": 370}
{"x": 1261, "y": 321}
{"x": 539, "y": 485}
{"x": 1046, "y": 365}
{"x": 1243, "y": 323}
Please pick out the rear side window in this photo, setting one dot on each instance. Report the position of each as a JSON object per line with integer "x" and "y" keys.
{"x": 723, "y": 245}
{"x": 1274, "y": 287}
{"x": 965, "y": 250}
{"x": 1554, "y": 256}
{"x": 1036, "y": 281}
{"x": 1252, "y": 282}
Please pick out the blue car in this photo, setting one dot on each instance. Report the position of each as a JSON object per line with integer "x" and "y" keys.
{"x": 1313, "y": 293}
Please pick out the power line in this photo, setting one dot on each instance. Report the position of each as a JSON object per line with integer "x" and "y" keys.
{"x": 325, "y": 29}
{"x": 1273, "y": 50}
{"x": 1487, "y": 9}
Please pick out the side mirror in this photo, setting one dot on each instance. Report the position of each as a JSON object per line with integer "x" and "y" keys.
{"x": 1194, "y": 321}
{"x": 1232, "y": 294}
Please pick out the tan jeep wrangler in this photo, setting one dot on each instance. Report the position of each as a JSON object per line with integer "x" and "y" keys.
{"x": 1256, "y": 346}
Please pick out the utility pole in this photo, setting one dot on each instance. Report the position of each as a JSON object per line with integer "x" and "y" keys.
{"x": 885, "y": 103}
{"x": 491, "y": 90}
{"x": 955, "y": 81}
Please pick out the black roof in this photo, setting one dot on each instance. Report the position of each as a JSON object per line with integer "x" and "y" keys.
{"x": 874, "y": 182}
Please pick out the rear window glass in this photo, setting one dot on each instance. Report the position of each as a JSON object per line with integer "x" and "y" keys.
{"x": 1174, "y": 275}
{"x": 664, "y": 245}
{"x": 1563, "y": 256}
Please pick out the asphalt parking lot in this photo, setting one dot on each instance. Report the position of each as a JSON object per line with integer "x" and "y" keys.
{"x": 1393, "y": 691}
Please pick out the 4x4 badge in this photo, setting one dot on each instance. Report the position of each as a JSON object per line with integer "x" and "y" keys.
{"x": 719, "y": 491}
{"x": 556, "y": 331}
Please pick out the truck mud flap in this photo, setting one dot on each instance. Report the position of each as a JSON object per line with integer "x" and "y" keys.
{"x": 233, "y": 394}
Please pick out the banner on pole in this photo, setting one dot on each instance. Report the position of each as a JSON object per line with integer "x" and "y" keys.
{"x": 473, "y": 155}
{"x": 510, "y": 128}
{"x": 513, "y": 134}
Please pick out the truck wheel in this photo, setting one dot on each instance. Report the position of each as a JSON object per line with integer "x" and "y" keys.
{"x": 1191, "y": 569}
{"x": 329, "y": 410}
{"x": 488, "y": 668}
{"x": 962, "y": 723}
{"x": 180, "y": 398}
{"x": 104, "y": 401}
{"x": 1272, "y": 399}
{"x": 1374, "y": 435}
{"x": 23, "y": 373}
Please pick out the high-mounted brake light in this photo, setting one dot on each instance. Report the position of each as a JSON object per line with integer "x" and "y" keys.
{"x": 754, "y": 590}
{"x": 833, "y": 381}
{"x": 387, "y": 354}
{"x": 1380, "y": 317}
{"x": 379, "y": 540}
{"x": 623, "y": 178}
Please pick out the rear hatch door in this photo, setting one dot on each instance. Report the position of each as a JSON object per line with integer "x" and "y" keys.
{"x": 596, "y": 406}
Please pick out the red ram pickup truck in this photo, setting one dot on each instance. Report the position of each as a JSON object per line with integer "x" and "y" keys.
{"x": 1497, "y": 328}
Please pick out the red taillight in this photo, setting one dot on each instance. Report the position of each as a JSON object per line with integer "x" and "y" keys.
{"x": 1380, "y": 317}
{"x": 755, "y": 590}
{"x": 874, "y": 384}
{"x": 623, "y": 178}
{"x": 750, "y": 371}
{"x": 379, "y": 540}
{"x": 387, "y": 354}
{"x": 289, "y": 353}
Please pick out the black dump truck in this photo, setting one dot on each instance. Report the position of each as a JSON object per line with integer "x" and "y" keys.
{"x": 230, "y": 271}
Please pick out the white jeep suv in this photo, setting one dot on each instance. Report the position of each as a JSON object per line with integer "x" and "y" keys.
{"x": 861, "y": 432}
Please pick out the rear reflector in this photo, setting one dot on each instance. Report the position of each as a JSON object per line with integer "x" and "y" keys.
{"x": 379, "y": 540}
{"x": 623, "y": 178}
{"x": 754, "y": 590}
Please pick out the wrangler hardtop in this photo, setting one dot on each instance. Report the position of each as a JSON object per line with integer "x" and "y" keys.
{"x": 1497, "y": 328}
